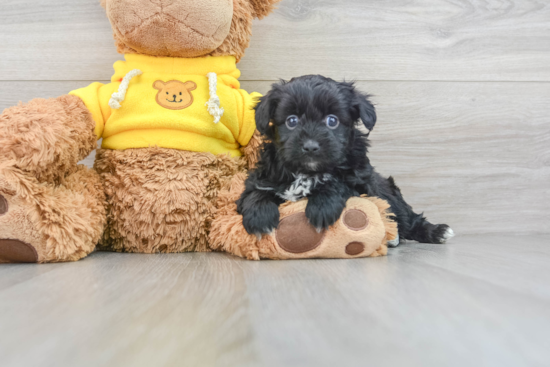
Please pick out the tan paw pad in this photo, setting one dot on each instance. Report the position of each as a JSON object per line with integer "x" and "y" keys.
{"x": 355, "y": 220}
{"x": 14, "y": 251}
{"x": 296, "y": 235}
{"x": 355, "y": 248}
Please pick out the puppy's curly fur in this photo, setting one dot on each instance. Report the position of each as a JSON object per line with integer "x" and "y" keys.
{"x": 314, "y": 149}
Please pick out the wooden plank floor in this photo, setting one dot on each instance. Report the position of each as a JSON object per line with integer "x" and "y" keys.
{"x": 478, "y": 301}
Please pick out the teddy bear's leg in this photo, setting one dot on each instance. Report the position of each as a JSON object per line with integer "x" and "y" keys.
{"x": 161, "y": 200}
{"x": 41, "y": 222}
{"x": 363, "y": 230}
{"x": 46, "y": 214}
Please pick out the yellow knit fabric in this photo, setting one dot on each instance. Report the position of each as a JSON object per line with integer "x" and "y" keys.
{"x": 144, "y": 120}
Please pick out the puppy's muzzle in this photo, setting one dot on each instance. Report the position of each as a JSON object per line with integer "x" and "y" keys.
{"x": 311, "y": 147}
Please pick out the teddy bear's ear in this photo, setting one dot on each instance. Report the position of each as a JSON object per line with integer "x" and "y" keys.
{"x": 263, "y": 7}
{"x": 159, "y": 85}
{"x": 103, "y": 3}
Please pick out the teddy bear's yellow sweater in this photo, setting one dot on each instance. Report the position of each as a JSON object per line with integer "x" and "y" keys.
{"x": 173, "y": 103}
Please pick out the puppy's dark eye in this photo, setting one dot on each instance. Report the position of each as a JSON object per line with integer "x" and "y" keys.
{"x": 292, "y": 122}
{"x": 332, "y": 121}
{"x": 180, "y": 93}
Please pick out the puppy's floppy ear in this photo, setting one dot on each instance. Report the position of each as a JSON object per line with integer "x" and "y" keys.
{"x": 265, "y": 111}
{"x": 365, "y": 110}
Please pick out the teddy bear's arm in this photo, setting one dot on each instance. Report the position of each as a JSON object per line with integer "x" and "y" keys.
{"x": 96, "y": 98}
{"x": 249, "y": 138}
{"x": 248, "y": 120}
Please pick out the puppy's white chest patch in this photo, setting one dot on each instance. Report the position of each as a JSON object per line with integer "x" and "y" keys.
{"x": 303, "y": 185}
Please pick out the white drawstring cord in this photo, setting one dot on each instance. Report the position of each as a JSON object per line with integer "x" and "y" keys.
{"x": 214, "y": 102}
{"x": 118, "y": 97}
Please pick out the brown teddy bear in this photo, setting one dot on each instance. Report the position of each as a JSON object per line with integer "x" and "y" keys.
{"x": 178, "y": 136}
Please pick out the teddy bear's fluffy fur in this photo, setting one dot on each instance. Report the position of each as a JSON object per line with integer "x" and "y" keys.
{"x": 170, "y": 203}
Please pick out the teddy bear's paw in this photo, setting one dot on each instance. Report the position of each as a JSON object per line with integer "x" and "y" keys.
{"x": 20, "y": 241}
{"x": 361, "y": 231}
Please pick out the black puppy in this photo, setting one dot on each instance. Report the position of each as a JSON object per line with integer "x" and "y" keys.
{"x": 314, "y": 150}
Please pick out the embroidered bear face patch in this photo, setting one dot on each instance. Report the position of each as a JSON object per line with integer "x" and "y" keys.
{"x": 174, "y": 95}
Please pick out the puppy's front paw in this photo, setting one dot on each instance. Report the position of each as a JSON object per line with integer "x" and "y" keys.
{"x": 323, "y": 212}
{"x": 262, "y": 219}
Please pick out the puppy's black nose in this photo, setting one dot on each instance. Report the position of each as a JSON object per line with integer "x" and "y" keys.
{"x": 175, "y": 96}
{"x": 311, "y": 146}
